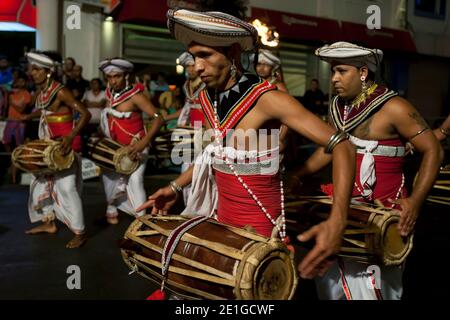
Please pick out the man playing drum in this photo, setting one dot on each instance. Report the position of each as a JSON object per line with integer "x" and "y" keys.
{"x": 191, "y": 114}
{"x": 379, "y": 122}
{"x": 122, "y": 121}
{"x": 57, "y": 195}
{"x": 249, "y": 193}
{"x": 191, "y": 111}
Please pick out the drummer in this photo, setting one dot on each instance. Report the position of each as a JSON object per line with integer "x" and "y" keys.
{"x": 378, "y": 122}
{"x": 249, "y": 194}
{"x": 122, "y": 121}
{"x": 191, "y": 114}
{"x": 192, "y": 111}
{"x": 268, "y": 68}
{"x": 58, "y": 195}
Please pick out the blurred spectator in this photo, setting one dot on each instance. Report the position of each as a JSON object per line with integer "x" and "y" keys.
{"x": 3, "y": 102}
{"x": 146, "y": 79}
{"x": 170, "y": 102}
{"x": 95, "y": 100}
{"x": 6, "y": 73}
{"x": 14, "y": 134}
{"x": 69, "y": 63}
{"x": 77, "y": 83}
{"x": 157, "y": 87}
{"x": 313, "y": 98}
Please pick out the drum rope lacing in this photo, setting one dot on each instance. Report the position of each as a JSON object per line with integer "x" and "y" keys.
{"x": 282, "y": 230}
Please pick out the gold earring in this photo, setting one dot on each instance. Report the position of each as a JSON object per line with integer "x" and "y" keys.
{"x": 364, "y": 84}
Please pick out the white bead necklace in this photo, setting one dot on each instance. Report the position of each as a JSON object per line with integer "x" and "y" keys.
{"x": 282, "y": 230}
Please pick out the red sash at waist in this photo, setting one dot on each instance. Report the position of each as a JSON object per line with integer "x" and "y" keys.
{"x": 237, "y": 208}
{"x": 389, "y": 176}
{"x": 61, "y": 125}
{"x": 123, "y": 130}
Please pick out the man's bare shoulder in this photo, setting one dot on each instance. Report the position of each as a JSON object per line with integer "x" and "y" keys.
{"x": 398, "y": 106}
{"x": 63, "y": 92}
{"x": 276, "y": 96}
{"x": 275, "y": 103}
{"x": 139, "y": 98}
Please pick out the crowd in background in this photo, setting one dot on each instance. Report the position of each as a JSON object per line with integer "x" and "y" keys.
{"x": 17, "y": 91}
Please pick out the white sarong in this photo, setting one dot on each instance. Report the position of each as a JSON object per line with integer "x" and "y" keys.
{"x": 123, "y": 192}
{"x": 57, "y": 195}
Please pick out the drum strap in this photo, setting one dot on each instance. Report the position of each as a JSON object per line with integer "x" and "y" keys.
{"x": 172, "y": 242}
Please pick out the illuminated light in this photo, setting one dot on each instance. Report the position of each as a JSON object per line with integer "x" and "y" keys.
{"x": 269, "y": 37}
{"x": 15, "y": 27}
{"x": 109, "y": 19}
{"x": 179, "y": 69}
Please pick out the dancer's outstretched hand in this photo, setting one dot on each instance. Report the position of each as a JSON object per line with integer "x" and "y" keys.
{"x": 161, "y": 201}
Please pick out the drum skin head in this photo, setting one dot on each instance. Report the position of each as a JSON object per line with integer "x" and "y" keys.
{"x": 395, "y": 248}
{"x": 57, "y": 160}
{"x": 272, "y": 279}
{"x": 123, "y": 162}
{"x": 111, "y": 155}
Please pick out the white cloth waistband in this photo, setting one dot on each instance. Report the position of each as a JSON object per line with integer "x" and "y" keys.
{"x": 118, "y": 114}
{"x": 386, "y": 151}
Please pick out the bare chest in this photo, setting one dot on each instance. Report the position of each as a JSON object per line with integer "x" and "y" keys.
{"x": 126, "y": 106}
{"x": 58, "y": 106}
{"x": 376, "y": 127}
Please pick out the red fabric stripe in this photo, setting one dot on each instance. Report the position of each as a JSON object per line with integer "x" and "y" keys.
{"x": 133, "y": 125}
{"x": 237, "y": 208}
{"x": 62, "y": 129}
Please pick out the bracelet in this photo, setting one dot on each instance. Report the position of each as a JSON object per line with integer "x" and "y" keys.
{"x": 418, "y": 133}
{"x": 175, "y": 187}
{"x": 444, "y": 131}
{"x": 158, "y": 116}
{"x": 335, "y": 139}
